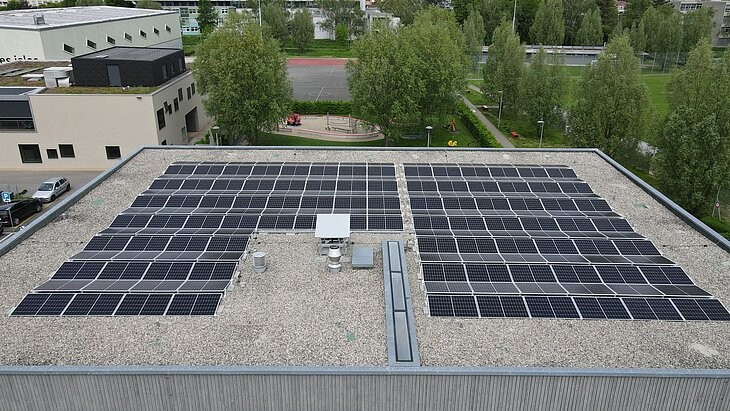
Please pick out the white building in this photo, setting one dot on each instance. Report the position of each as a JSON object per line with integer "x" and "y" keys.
{"x": 720, "y": 17}
{"x": 60, "y": 34}
{"x": 92, "y": 127}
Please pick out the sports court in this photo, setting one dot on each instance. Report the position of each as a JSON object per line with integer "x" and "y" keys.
{"x": 316, "y": 79}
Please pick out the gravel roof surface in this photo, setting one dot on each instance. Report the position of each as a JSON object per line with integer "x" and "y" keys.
{"x": 297, "y": 314}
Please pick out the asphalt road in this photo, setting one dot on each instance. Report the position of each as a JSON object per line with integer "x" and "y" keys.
{"x": 18, "y": 181}
{"x": 319, "y": 79}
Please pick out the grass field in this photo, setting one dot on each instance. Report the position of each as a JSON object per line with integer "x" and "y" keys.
{"x": 270, "y": 139}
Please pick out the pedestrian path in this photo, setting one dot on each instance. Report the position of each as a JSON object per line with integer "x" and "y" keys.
{"x": 504, "y": 141}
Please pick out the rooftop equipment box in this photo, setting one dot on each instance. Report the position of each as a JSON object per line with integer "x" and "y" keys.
{"x": 128, "y": 66}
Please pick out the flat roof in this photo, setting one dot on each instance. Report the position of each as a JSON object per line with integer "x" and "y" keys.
{"x": 296, "y": 313}
{"x": 129, "y": 53}
{"x": 69, "y": 16}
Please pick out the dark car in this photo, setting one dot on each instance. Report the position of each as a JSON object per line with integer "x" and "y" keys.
{"x": 12, "y": 214}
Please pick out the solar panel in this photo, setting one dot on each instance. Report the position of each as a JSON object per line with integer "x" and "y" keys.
{"x": 542, "y": 234}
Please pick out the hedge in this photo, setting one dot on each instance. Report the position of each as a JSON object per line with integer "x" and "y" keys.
{"x": 722, "y": 227}
{"x": 343, "y": 108}
{"x": 477, "y": 128}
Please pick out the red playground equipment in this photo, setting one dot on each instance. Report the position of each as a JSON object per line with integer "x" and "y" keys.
{"x": 294, "y": 120}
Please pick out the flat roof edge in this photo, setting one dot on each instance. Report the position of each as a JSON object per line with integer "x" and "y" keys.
{"x": 348, "y": 371}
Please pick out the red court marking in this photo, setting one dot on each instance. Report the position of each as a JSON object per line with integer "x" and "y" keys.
{"x": 317, "y": 62}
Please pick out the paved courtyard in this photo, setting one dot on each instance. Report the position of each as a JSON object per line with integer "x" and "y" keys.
{"x": 316, "y": 79}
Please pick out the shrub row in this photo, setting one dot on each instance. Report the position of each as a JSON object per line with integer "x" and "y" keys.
{"x": 477, "y": 128}
{"x": 722, "y": 227}
{"x": 342, "y": 108}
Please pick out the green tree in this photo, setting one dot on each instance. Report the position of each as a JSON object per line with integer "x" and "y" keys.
{"x": 404, "y": 9}
{"x": 494, "y": 12}
{"x": 118, "y": 3}
{"x": 345, "y": 12}
{"x": 275, "y": 21}
{"x": 611, "y": 111}
{"x": 17, "y": 5}
{"x": 637, "y": 37}
{"x": 573, "y": 12}
{"x": 663, "y": 33}
{"x": 148, "y": 4}
{"x": 609, "y": 15}
{"x": 634, "y": 12}
{"x": 302, "y": 29}
{"x": 474, "y": 33}
{"x": 381, "y": 81}
{"x": 542, "y": 88}
{"x": 548, "y": 28}
{"x": 505, "y": 63}
{"x": 696, "y": 25}
{"x": 342, "y": 35}
{"x": 81, "y": 3}
{"x": 244, "y": 77}
{"x": 462, "y": 8}
{"x": 207, "y": 17}
{"x": 591, "y": 31}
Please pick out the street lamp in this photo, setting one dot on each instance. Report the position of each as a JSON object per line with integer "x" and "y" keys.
{"x": 499, "y": 119}
{"x": 215, "y": 135}
{"x": 542, "y": 126}
{"x": 514, "y": 15}
{"x": 428, "y": 130}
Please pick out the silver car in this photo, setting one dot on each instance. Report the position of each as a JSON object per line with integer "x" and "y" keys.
{"x": 52, "y": 188}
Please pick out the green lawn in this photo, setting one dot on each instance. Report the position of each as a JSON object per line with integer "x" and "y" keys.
{"x": 318, "y": 52}
{"x": 440, "y": 137}
{"x": 657, "y": 85}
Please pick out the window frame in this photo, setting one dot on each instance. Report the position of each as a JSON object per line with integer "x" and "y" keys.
{"x": 66, "y": 49}
{"x": 161, "y": 119}
{"x": 113, "y": 41}
{"x": 111, "y": 154}
{"x": 30, "y": 146}
{"x": 63, "y": 147}
{"x": 52, "y": 153}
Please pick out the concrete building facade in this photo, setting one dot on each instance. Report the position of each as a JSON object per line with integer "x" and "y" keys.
{"x": 92, "y": 131}
{"x": 720, "y": 17}
{"x": 60, "y": 34}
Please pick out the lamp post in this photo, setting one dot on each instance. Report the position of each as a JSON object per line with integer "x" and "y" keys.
{"x": 428, "y": 130}
{"x": 215, "y": 135}
{"x": 514, "y": 15}
{"x": 499, "y": 118}
{"x": 542, "y": 126}
{"x": 261, "y": 26}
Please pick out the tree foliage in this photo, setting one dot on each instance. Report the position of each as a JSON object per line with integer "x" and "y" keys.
{"x": 634, "y": 11}
{"x": 81, "y": 3}
{"x": 611, "y": 111}
{"x": 244, "y": 77}
{"x": 342, "y": 12}
{"x": 543, "y": 87}
{"x": 609, "y": 15}
{"x": 302, "y": 29}
{"x": 207, "y": 17}
{"x": 697, "y": 25}
{"x": 474, "y": 33}
{"x": 408, "y": 76}
{"x": 404, "y": 9}
{"x": 148, "y": 4}
{"x": 16, "y": 5}
{"x": 118, "y": 3}
{"x": 274, "y": 18}
{"x": 573, "y": 13}
{"x": 591, "y": 30}
{"x": 548, "y": 28}
{"x": 637, "y": 37}
{"x": 505, "y": 62}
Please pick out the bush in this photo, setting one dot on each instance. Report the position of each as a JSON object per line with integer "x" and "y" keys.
{"x": 722, "y": 227}
{"x": 343, "y": 108}
{"x": 477, "y": 128}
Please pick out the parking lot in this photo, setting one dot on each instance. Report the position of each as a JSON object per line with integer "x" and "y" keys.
{"x": 18, "y": 181}
{"x": 315, "y": 79}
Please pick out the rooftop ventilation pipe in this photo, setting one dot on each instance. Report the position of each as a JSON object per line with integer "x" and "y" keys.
{"x": 259, "y": 261}
{"x": 334, "y": 255}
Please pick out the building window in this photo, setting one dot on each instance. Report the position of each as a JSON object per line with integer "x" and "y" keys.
{"x": 17, "y": 124}
{"x": 154, "y": 30}
{"x": 164, "y": 71}
{"x": 189, "y": 94}
{"x": 192, "y": 87}
{"x": 128, "y": 37}
{"x": 179, "y": 94}
{"x": 66, "y": 150}
{"x": 111, "y": 40}
{"x": 30, "y": 153}
{"x": 168, "y": 29}
{"x": 164, "y": 142}
{"x": 161, "y": 118}
{"x": 176, "y": 104}
{"x": 113, "y": 152}
{"x": 68, "y": 49}
{"x": 90, "y": 44}
{"x": 51, "y": 153}
{"x": 143, "y": 34}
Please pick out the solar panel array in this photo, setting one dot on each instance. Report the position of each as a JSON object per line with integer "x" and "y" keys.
{"x": 536, "y": 241}
{"x": 176, "y": 249}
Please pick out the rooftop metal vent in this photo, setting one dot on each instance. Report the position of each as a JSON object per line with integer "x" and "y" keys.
{"x": 259, "y": 261}
{"x": 334, "y": 265}
{"x": 39, "y": 20}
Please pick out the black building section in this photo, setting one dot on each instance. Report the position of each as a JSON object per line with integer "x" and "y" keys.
{"x": 128, "y": 66}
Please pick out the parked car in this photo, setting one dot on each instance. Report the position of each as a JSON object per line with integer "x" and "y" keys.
{"x": 52, "y": 188}
{"x": 12, "y": 214}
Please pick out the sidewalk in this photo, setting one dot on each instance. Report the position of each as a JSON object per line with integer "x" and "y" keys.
{"x": 492, "y": 129}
